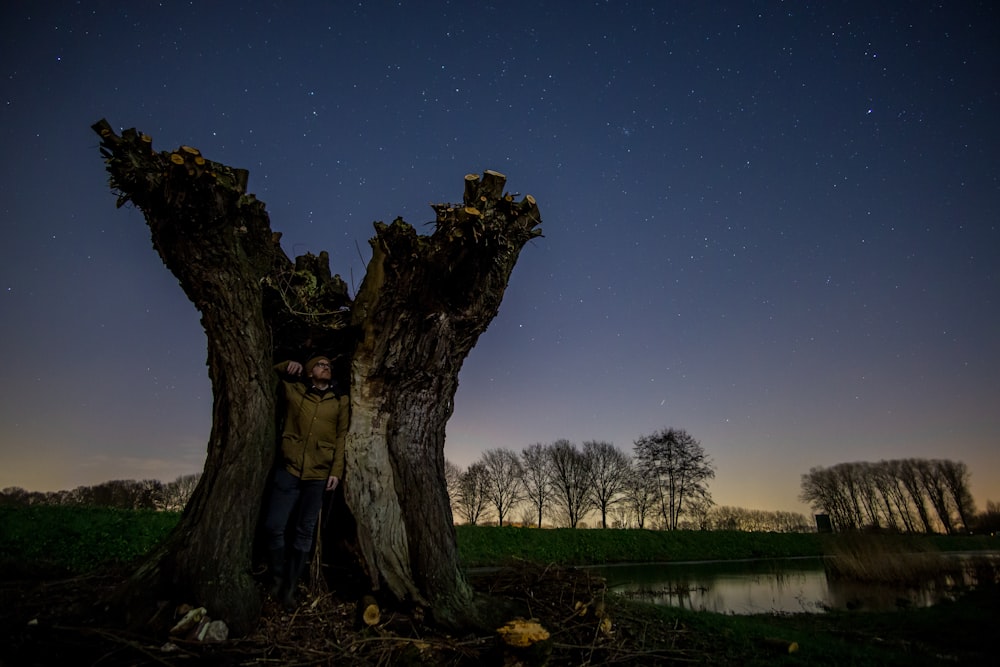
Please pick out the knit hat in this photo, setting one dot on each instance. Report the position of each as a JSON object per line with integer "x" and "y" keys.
{"x": 315, "y": 360}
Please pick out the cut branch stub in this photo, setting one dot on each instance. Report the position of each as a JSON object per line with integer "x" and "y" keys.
{"x": 471, "y": 187}
{"x": 368, "y": 610}
{"x": 493, "y": 182}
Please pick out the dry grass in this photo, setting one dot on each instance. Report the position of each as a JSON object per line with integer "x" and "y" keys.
{"x": 886, "y": 559}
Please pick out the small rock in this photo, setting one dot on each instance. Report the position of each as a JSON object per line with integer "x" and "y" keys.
{"x": 216, "y": 631}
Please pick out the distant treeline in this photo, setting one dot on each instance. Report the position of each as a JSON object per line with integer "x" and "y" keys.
{"x": 662, "y": 485}
{"x": 904, "y": 495}
{"x": 129, "y": 494}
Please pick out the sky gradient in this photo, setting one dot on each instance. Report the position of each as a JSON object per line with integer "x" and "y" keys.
{"x": 771, "y": 224}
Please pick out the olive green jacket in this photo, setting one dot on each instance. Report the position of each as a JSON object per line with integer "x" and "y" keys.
{"x": 312, "y": 440}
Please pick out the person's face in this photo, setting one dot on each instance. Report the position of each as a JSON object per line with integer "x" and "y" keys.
{"x": 321, "y": 371}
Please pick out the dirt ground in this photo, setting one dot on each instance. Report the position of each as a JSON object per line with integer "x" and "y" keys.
{"x": 62, "y": 621}
{"x": 50, "y": 619}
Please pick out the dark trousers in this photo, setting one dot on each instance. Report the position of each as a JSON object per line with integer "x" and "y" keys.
{"x": 286, "y": 490}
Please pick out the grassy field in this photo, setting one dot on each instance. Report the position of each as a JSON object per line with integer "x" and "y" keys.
{"x": 46, "y": 542}
{"x": 487, "y": 545}
{"x": 482, "y": 546}
{"x": 77, "y": 540}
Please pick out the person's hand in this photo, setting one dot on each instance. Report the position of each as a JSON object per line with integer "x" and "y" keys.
{"x": 331, "y": 483}
{"x": 294, "y": 368}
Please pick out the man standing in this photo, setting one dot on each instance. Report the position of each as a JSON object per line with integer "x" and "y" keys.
{"x": 310, "y": 462}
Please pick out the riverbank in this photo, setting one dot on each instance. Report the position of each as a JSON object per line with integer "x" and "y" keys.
{"x": 57, "y": 562}
{"x": 961, "y": 632}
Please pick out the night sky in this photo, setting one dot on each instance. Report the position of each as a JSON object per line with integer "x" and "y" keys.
{"x": 772, "y": 224}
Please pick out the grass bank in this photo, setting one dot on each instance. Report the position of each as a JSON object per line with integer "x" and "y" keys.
{"x": 75, "y": 540}
{"x": 954, "y": 633}
{"x": 482, "y": 546}
{"x": 78, "y": 539}
{"x": 488, "y": 545}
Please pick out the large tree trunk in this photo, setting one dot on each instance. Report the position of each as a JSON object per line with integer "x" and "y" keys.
{"x": 422, "y": 306}
{"x": 218, "y": 243}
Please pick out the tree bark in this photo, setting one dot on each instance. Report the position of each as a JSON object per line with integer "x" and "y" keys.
{"x": 421, "y": 307}
{"x": 217, "y": 241}
{"x": 420, "y": 310}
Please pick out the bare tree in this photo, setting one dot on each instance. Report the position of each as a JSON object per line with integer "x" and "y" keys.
{"x": 843, "y": 492}
{"x": 988, "y": 521}
{"x": 896, "y": 500}
{"x": 937, "y": 493}
{"x": 453, "y": 480}
{"x": 639, "y": 493}
{"x": 819, "y": 488}
{"x": 698, "y": 510}
{"x": 955, "y": 477}
{"x": 680, "y": 468}
{"x": 609, "y": 470}
{"x": 621, "y": 515}
{"x": 503, "y": 480}
{"x": 908, "y": 472}
{"x": 867, "y": 492}
{"x": 570, "y": 479}
{"x": 890, "y": 493}
{"x": 727, "y": 517}
{"x": 535, "y": 464}
{"x": 884, "y": 486}
{"x": 850, "y": 479}
{"x": 791, "y": 522}
{"x": 123, "y": 494}
{"x": 472, "y": 499}
{"x": 894, "y": 497}
{"x": 15, "y": 496}
{"x": 177, "y": 493}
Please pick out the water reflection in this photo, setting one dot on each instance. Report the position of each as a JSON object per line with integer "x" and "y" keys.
{"x": 796, "y": 585}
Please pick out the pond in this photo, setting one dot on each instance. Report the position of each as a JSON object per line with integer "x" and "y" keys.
{"x": 787, "y": 585}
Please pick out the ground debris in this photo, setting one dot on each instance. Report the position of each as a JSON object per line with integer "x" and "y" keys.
{"x": 584, "y": 625}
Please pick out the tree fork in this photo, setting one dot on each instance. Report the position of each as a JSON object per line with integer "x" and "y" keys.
{"x": 421, "y": 307}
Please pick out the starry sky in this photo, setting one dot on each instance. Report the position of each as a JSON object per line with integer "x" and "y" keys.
{"x": 772, "y": 224}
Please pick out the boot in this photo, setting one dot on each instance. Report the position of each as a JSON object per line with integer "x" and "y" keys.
{"x": 296, "y": 565}
{"x": 276, "y": 561}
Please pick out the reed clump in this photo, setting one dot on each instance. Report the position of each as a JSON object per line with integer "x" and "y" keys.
{"x": 887, "y": 559}
{"x": 983, "y": 569}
